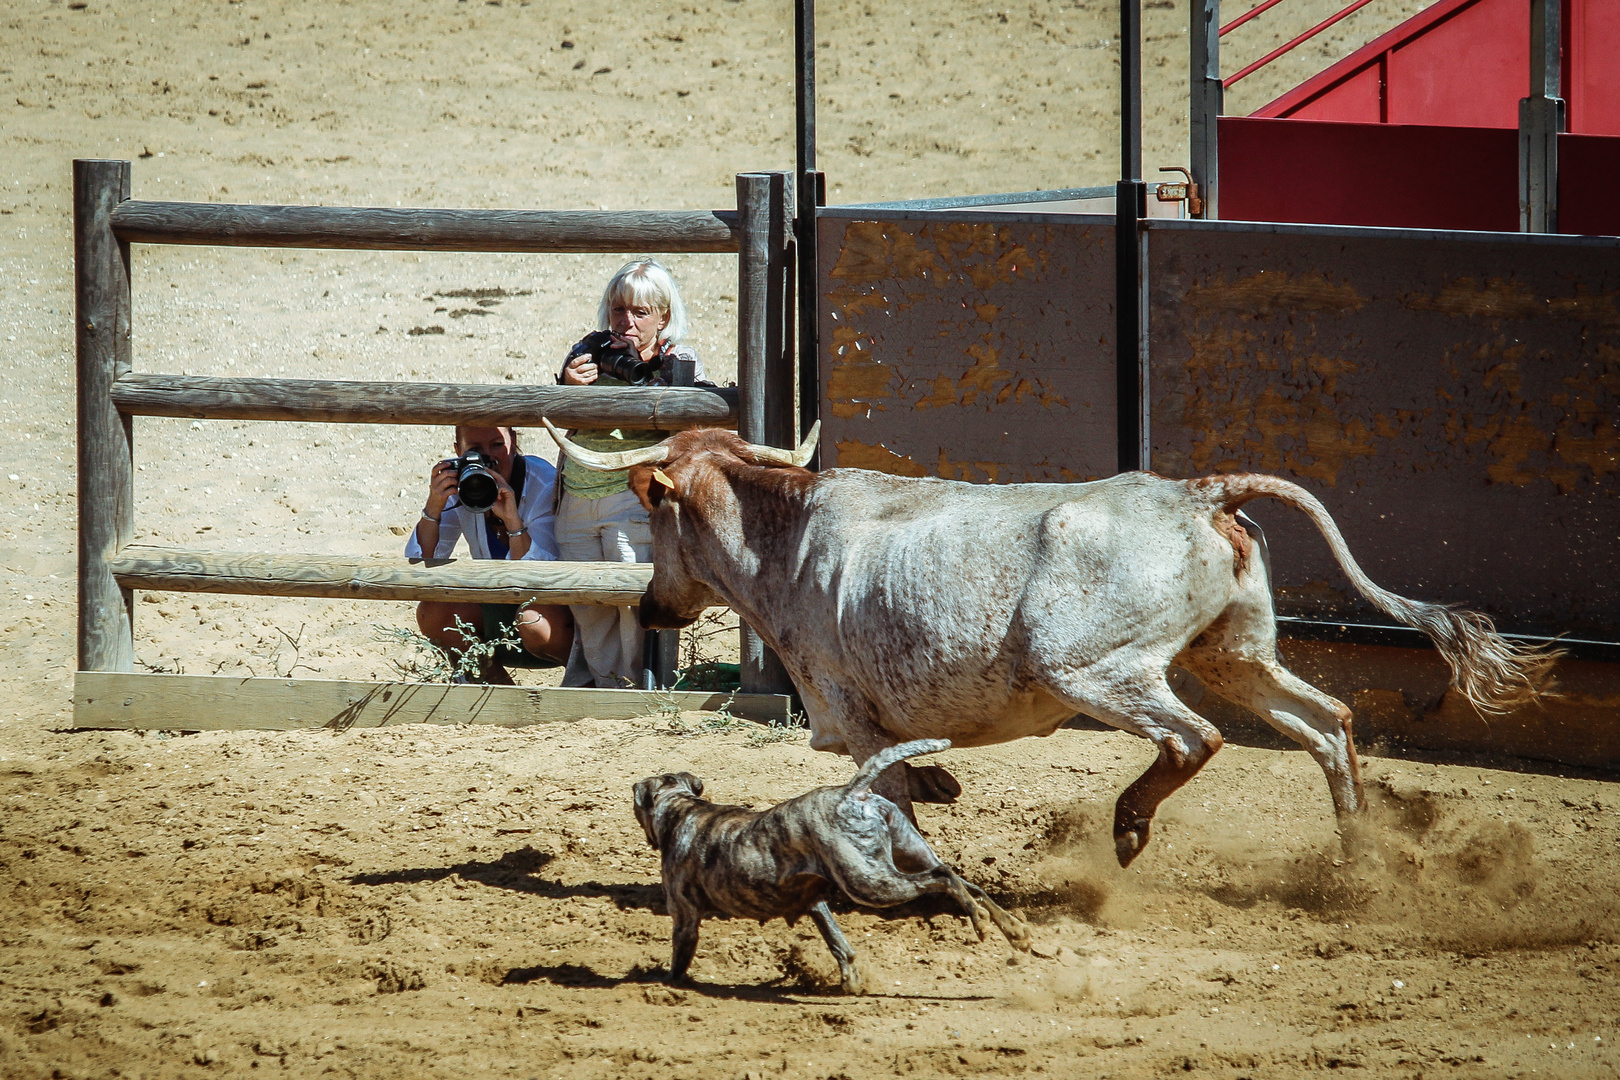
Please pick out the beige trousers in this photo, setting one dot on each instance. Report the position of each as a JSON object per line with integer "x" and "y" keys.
{"x": 613, "y": 529}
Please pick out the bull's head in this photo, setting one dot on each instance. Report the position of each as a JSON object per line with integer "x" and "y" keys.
{"x": 679, "y": 485}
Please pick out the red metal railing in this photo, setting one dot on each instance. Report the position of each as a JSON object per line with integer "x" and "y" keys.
{"x": 1258, "y": 9}
{"x": 1291, "y": 45}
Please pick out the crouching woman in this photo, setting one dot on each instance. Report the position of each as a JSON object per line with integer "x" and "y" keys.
{"x": 520, "y": 525}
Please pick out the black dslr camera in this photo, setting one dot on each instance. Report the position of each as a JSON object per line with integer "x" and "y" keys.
{"x": 475, "y": 481}
{"x": 621, "y": 362}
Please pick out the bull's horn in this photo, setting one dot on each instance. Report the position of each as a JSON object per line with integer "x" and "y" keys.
{"x": 798, "y": 458}
{"x": 601, "y": 462}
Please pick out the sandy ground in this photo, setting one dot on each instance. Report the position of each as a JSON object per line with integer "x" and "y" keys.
{"x": 443, "y": 902}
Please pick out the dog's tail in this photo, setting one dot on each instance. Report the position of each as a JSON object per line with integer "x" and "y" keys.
{"x": 862, "y": 783}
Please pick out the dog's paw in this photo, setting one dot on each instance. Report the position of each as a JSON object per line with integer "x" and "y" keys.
{"x": 981, "y": 921}
{"x": 1017, "y": 933}
{"x": 854, "y": 979}
{"x": 662, "y": 995}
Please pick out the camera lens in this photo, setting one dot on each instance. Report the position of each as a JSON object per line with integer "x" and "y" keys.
{"x": 630, "y": 368}
{"x": 475, "y": 483}
{"x": 620, "y": 363}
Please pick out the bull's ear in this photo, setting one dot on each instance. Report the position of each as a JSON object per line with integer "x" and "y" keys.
{"x": 652, "y": 485}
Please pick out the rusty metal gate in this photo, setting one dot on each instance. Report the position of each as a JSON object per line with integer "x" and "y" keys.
{"x": 1454, "y": 398}
{"x": 976, "y": 348}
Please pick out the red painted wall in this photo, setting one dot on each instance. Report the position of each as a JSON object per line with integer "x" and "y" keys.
{"x": 1465, "y": 63}
{"x": 1369, "y": 174}
{"x": 1587, "y": 168}
{"x": 1405, "y": 176}
{"x": 1592, "y": 85}
{"x": 1419, "y": 129}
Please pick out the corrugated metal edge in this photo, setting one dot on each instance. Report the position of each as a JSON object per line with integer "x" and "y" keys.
{"x": 1367, "y": 232}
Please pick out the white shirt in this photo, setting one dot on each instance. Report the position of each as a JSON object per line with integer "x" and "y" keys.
{"x": 535, "y": 508}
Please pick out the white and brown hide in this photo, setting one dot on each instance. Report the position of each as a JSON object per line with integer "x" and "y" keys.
{"x": 919, "y": 608}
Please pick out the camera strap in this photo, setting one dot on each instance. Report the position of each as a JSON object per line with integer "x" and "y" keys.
{"x": 519, "y": 469}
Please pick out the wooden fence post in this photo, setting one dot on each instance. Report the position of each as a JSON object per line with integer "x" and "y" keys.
{"x": 106, "y": 449}
{"x": 762, "y": 671}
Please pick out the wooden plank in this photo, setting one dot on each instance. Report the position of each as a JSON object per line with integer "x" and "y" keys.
{"x": 146, "y": 702}
{"x": 762, "y": 670}
{"x": 379, "y": 577}
{"x": 383, "y": 228}
{"x": 346, "y": 402}
{"x": 106, "y": 451}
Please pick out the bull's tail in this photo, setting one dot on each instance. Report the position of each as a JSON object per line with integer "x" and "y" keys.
{"x": 1491, "y": 672}
{"x": 863, "y": 780}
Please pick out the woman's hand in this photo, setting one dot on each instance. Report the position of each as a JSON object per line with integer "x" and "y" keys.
{"x": 506, "y": 507}
{"x": 580, "y": 371}
{"x": 441, "y": 485}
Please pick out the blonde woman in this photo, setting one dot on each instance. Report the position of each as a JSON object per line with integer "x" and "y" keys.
{"x": 641, "y": 318}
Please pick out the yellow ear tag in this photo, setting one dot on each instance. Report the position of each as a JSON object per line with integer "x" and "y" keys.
{"x": 658, "y": 474}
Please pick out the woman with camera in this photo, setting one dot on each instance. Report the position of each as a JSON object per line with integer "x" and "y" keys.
{"x": 640, "y": 321}
{"x": 502, "y": 502}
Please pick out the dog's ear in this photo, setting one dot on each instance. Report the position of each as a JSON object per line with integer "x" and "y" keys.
{"x": 691, "y": 781}
{"x": 644, "y": 793}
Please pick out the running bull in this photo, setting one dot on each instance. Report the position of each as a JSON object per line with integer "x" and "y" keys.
{"x": 918, "y": 608}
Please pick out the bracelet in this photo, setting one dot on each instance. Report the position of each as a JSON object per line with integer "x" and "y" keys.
{"x": 429, "y": 517}
{"x": 519, "y": 531}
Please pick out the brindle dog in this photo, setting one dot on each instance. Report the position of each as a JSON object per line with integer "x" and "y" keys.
{"x": 787, "y": 860}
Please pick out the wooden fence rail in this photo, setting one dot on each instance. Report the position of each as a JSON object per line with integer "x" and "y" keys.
{"x": 202, "y": 397}
{"x": 378, "y": 228}
{"x": 110, "y": 394}
{"x": 489, "y": 581}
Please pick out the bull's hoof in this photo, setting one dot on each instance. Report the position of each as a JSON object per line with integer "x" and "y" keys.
{"x": 1130, "y": 840}
{"x": 1361, "y": 844}
{"x": 932, "y": 784}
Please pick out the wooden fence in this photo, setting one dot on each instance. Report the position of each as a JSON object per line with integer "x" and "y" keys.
{"x": 108, "y": 693}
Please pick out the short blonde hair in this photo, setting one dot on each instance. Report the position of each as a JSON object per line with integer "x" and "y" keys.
{"x": 646, "y": 282}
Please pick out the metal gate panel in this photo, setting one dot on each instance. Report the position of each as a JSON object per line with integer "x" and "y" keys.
{"x": 1453, "y": 399}
{"x": 967, "y": 346}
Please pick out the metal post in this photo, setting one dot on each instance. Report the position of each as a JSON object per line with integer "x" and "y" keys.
{"x": 810, "y": 193}
{"x": 1205, "y": 100}
{"x": 1541, "y": 118}
{"x": 762, "y": 672}
{"x": 1130, "y": 207}
{"x": 779, "y": 373}
{"x": 1130, "y": 89}
{"x": 661, "y": 659}
{"x": 804, "y": 94}
{"x": 106, "y": 447}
